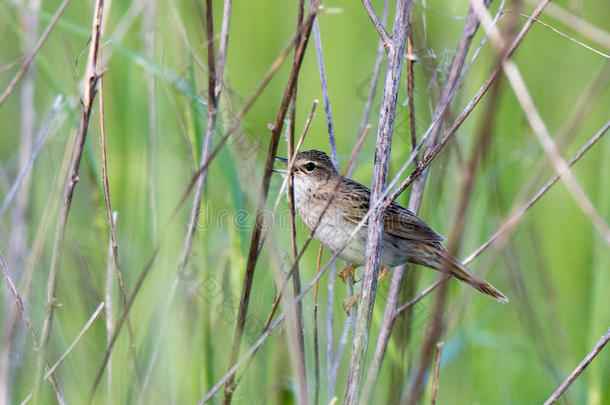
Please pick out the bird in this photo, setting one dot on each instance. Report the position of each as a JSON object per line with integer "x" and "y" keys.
{"x": 406, "y": 238}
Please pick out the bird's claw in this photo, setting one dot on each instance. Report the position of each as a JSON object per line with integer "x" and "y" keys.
{"x": 348, "y": 303}
{"x": 347, "y": 272}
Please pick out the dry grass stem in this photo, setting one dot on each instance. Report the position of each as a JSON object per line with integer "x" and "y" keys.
{"x": 509, "y": 224}
{"x": 411, "y": 88}
{"x": 236, "y": 122}
{"x": 565, "y": 35}
{"x": 61, "y": 358}
{"x": 379, "y": 26}
{"x": 108, "y": 304}
{"x": 384, "y": 333}
{"x": 149, "y": 39}
{"x": 427, "y": 159}
{"x": 214, "y": 87}
{"x": 378, "y": 186}
{"x": 44, "y": 132}
{"x": 452, "y": 83}
{"x": 540, "y": 129}
{"x": 28, "y": 324}
{"x": 92, "y": 77}
{"x": 436, "y": 326}
{"x": 333, "y": 363}
{"x": 120, "y": 321}
{"x": 330, "y": 321}
{"x": 421, "y": 295}
{"x": 112, "y": 226}
{"x": 296, "y": 318}
{"x": 256, "y": 234}
{"x": 552, "y": 152}
{"x": 579, "y": 25}
{"x": 30, "y": 58}
{"x": 437, "y": 366}
{"x": 316, "y": 344}
{"x": 267, "y": 331}
{"x": 579, "y": 369}
{"x": 293, "y": 158}
{"x": 325, "y": 97}
{"x": 373, "y": 86}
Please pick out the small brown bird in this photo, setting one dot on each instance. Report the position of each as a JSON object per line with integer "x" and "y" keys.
{"x": 406, "y": 238}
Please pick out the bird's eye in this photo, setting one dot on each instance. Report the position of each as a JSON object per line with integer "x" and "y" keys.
{"x": 310, "y": 166}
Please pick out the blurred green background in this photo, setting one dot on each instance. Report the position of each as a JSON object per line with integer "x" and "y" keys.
{"x": 555, "y": 267}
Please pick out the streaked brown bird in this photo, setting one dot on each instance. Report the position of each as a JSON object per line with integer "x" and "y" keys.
{"x": 406, "y": 238}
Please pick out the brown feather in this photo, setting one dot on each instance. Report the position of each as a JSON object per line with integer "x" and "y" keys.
{"x": 398, "y": 221}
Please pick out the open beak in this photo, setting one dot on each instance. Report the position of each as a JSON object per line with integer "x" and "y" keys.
{"x": 284, "y": 161}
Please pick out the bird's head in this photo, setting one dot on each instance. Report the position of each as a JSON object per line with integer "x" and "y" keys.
{"x": 312, "y": 169}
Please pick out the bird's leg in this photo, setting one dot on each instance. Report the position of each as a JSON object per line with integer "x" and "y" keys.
{"x": 347, "y": 271}
{"x": 347, "y": 275}
{"x": 348, "y": 303}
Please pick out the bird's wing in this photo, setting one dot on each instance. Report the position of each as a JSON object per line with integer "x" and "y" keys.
{"x": 401, "y": 222}
{"x": 398, "y": 221}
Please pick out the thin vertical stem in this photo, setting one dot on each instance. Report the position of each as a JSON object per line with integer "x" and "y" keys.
{"x": 30, "y": 58}
{"x": 112, "y": 226}
{"x": 234, "y": 125}
{"x": 28, "y": 324}
{"x": 436, "y": 325}
{"x": 214, "y": 77}
{"x": 257, "y": 232}
{"x": 93, "y": 75}
{"x": 149, "y": 38}
{"x": 411, "y": 87}
{"x": 300, "y": 365}
{"x": 229, "y": 375}
{"x": 373, "y": 86}
{"x": 375, "y": 227}
{"x": 108, "y": 308}
{"x": 325, "y": 97}
{"x": 437, "y": 366}
{"x": 316, "y": 344}
{"x": 384, "y": 332}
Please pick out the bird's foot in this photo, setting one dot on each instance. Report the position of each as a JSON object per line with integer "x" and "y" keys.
{"x": 347, "y": 272}
{"x": 382, "y": 273}
{"x": 348, "y": 303}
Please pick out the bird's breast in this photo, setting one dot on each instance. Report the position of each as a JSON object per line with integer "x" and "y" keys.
{"x": 333, "y": 230}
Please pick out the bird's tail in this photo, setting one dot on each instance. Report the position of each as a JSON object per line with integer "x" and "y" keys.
{"x": 452, "y": 266}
